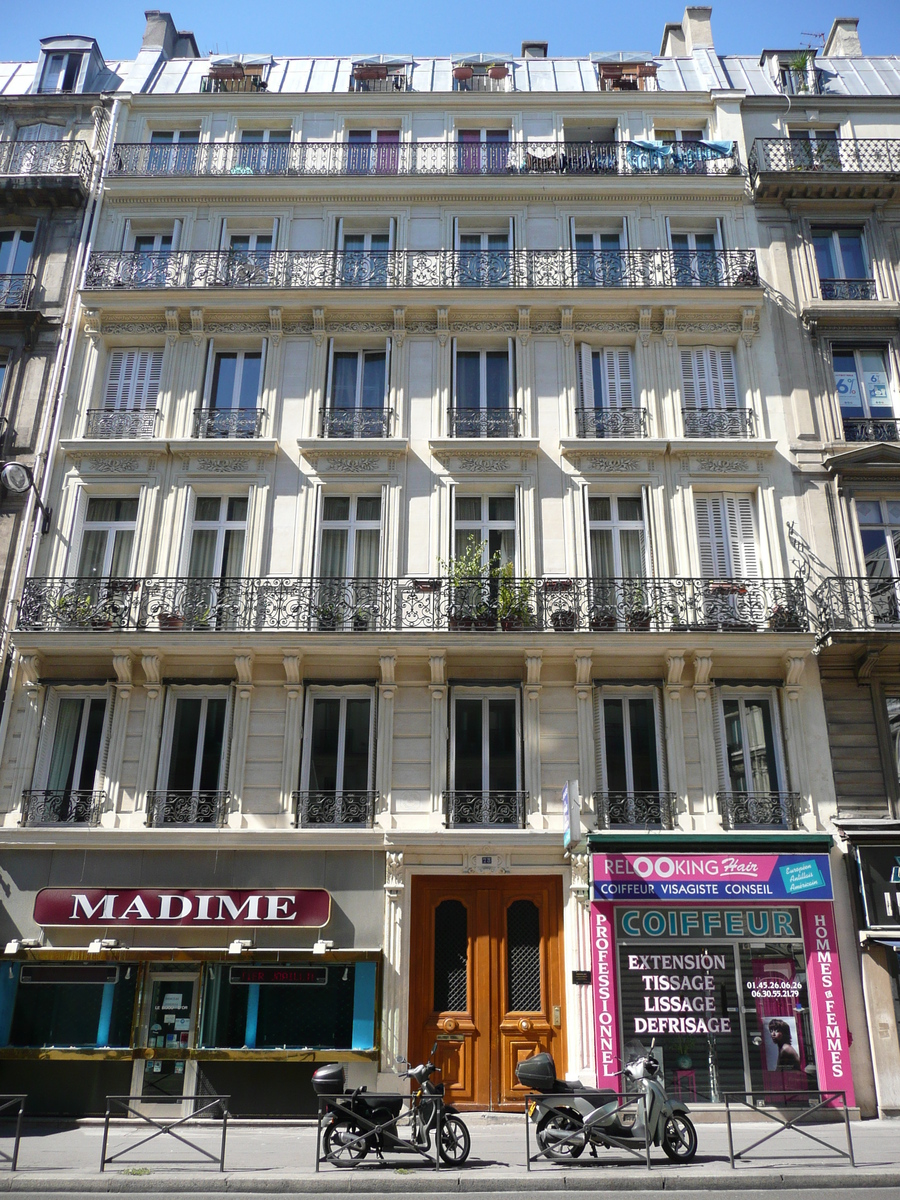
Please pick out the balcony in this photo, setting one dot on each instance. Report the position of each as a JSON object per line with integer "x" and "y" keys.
{"x": 612, "y": 422}
{"x": 718, "y": 422}
{"x": 356, "y": 422}
{"x": 182, "y": 605}
{"x": 752, "y": 810}
{"x": 45, "y": 172}
{"x": 871, "y": 429}
{"x": 232, "y": 77}
{"x": 61, "y": 806}
{"x": 228, "y": 422}
{"x": 423, "y": 158}
{"x": 334, "y": 809}
{"x": 167, "y": 807}
{"x": 491, "y": 809}
{"x": 848, "y": 168}
{"x": 483, "y": 77}
{"x": 846, "y": 604}
{"x": 15, "y": 292}
{"x": 422, "y": 269}
{"x": 379, "y": 79}
{"x": 627, "y": 77}
{"x": 121, "y": 423}
{"x": 484, "y": 422}
{"x": 647, "y": 809}
{"x": 848, "y": 289}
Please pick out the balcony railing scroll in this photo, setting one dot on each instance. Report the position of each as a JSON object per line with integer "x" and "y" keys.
{"x": 616, "y": 808}
{"x": 35, "y": 159}
{"x": 871, "y": 429}
{"x": 718, "y": 422}
{"x": 228, "y": 422}
{"x": 183, "y": 605}
{"x": 848, "y": 289}
{"x": 844, "y": 603}
{"x": 484, "y": 422}
{"x": 485, "y": 808}
{"x": 184, "y": 807}
{"x": 612, "y": 422}
{"x": 311, "y": 269}
{"x": 332, "y": 808}
{"x": 121, "y": 423}
{"x": 62, "y": 806}
{"x": 549, "y": 156}
{"x": 356, "y": 422}
{"x": 15, "y": 291}
{"x": 742, "y": 810}
{"x": 852, "y": 156}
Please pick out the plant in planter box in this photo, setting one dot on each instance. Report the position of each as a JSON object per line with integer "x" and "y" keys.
{"x": 784, "y": 618}
{"x": 171, "y": 620}
{"x": 469, "y": 576}
{"x": 328, "y": 616}
{"x": 639, "y": 615}
{"x": 514, "y": 606}
{"x": 73, "y": 609}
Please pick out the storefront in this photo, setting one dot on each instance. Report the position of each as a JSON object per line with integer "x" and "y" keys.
{"x": 729, "y": 962}
{"x": 210, "y": 980}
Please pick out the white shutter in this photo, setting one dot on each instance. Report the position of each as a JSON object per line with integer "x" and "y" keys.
{"x": 453, "y": 376}
{"x": 114, "y": 378}
{"x": 695, "y": 389}
{"x": 339, "y": 234}
{"x": 512, "y": 235}
{"x": 329, "y": 375}
{"x": 742, "y": 535}
{"x": 41, "y": 132}
{"x": 511, "y": 355}
{"x": 223, "y": 235}
{"x": 571, "y": 233}
{"x": 176, "y": 234}
{"x": 275, "y": 224}
{"x": 392, "y": 233}
{"x": 724, "y": 378}
{"x": 618, "y": 378}
{"x": 45, "y": 743}
{"x": 262, "y": 373}
{"x": 456, "y": 233}
{"x": 624, "y": 233}
{"x": 599, "y": 731}
{"x": 586, "y": 375}
{"x": 668, "y": 233}
{"x": 208, "y": 381}
{"x": 133, "y": 379}
{"x": 720, "y": 241}
{"x": 387, "y": 377}
{"x": 712, "y": 537}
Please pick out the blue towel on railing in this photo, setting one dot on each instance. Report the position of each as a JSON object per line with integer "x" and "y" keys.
{"x": 722, "y": 148}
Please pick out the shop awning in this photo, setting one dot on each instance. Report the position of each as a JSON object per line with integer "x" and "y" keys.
{"x": 672, "y": 839}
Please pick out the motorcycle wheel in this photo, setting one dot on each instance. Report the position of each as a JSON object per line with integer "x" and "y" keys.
{"x": 556, "y": 1125}
{"x": 340, "y": 1145}
{"x": 679, "y": 1139}
{"x": 455, "y": 1141}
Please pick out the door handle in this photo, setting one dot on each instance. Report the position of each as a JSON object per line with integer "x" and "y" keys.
{"x": 556, "y": 1016}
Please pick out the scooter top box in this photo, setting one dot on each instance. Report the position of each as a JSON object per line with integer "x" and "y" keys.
{"x": 538, "y": 1072}
{"x": 329, "y": 1080}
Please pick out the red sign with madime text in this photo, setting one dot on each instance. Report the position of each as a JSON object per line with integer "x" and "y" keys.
{"x": 210, "y": 907}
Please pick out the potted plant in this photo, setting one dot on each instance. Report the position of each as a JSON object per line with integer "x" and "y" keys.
{"x": 800, "y": 69}
{"x": 363, "y": 620}
{"x": 425, "y": 586}
{"x": 602, "y": 619}
{"x": 498, "y": 71}
{"x": 783, "y": 618}
{"x": 514, "y": 606}
{"x": 463, "y": 72}
{"x": 639, "y": 615}
{"x": 169, "y": 621}
{"x": 370, "y": 71}
{"x": 468, "y": 576}
{"x": 563, "y": 620}
{"x": 327, "y": 616}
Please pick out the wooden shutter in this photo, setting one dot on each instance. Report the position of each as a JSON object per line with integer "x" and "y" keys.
{"x": 586, "y": 375}
{"x": 723, "y": 378}
{"x": 742, "y": 534}
{"x": 712, "y": 537}
{"x": 133, "y": 379}
{"x": 618, "y": 377}
{"x": 694, "y": 381}
{"x": 599, "y": 741}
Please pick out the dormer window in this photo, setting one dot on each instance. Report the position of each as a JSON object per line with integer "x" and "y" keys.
{"x": 61, "y": 72}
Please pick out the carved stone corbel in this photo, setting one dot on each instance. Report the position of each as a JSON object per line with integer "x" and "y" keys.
{"x": 318, "y": 325}
{"x": 645, "y": 325}
{"x": 31, "y": 666}
{"x": 93, "y": 324}
{"x": 123, "y": 665}
{"x": 669, "y": 331}
{"x": 443, "y": 325}
{"x": 565, "y": 324}
{"x": 151, "y": 665}
{"x": 437, "y": 663}
{"x": 275, "y": 327}
{"x": 749, "y": 325}
{"x": 173, "y": 328}
{"x": 399, "y": 330}
{"x": 393, "y": 873}
{"x": 243, "y": 666}
{"x": 197, "y": 325}
{"x": 387, "y": 661}
{"x": 524, "y": 330}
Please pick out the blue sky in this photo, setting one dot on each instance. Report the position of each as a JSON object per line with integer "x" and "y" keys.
{"x": 425, "y": 27}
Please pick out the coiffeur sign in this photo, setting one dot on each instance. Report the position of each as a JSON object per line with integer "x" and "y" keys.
{"x": 300, "y": 907}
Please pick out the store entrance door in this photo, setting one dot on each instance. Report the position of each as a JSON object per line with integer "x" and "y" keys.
{"x": 486, "y": 981}
{"x": 169, "y": 1022}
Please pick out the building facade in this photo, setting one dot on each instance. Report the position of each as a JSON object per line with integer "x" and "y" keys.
{"x": 421, "y": 509}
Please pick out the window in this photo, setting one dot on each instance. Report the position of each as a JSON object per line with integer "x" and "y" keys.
{"x": 815, "y": 149}
{"x": 252, "y": 246}
{"x": 61, "y": 72}
{"x": 263, "y": 151}
{"x": 879, "y": 530}
{"x": 484, "y": 259}
{"x": 709, "y": 394}
{"x": 338, "y": 750}
{"x": 217, "y": 537}
{"x": 351, "y": 537}
{"x": 750, "y": 750}
{"x": 107, "y": 538}
{"x": 483, "y": 151}
{"x": 132, "y": 379}
{"x": 68, "y": 767}
{"x": 598, "y": 262}
{"x": 484, "y": 391}
{"x": 485, "y": 766}
{"x": 617, "y": 538}
{"x": 192, "y": 767}
{"x": 696, "y": 262}
{"x": 234, "y": 396}
{"x": 864, "y": 393}
{"x": 726, "y": 536}
{"x": 627, "y": 737}
{"x": 842, "y": 263}
{"x": 358, "y": 394}
{"x": 364, "y": 262}
{"x": 173, "y": 151}
{"x": 487, "y": 521}
{"x": 15, "y": 251}
{"x": 373, "y": 151}
{"x": 152, "y": 243}
{"x": 69, "y": 1004}
{"x": 606, "y": 387}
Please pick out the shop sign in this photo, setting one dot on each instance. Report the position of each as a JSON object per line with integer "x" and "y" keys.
{"x": 826, "y": 999}
{"x": 674, "y": 876}
{"x": 879, "y": 871}
{"x": 682, "y": 987}
{"x": 183, "y": 907}
{"x": 297, "y": 976}
{"x": 771, "y": 924}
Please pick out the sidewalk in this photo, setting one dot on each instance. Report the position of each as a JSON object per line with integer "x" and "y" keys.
{"x": 265, "y": 1158}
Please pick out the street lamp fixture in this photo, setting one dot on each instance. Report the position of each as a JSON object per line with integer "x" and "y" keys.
{"x": 17, "y": 478}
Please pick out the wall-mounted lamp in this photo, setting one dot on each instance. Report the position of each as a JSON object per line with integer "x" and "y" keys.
{"x": 17, "y": 478}
{"x": 100, "y": 944}
{"x": 238, "y": 946}
{"x": 17, "y": 944}
{"x": 322, "y": 947}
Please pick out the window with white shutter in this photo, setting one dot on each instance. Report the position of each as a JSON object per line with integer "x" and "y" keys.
{"x": 726, "y": 535}
{"x": 133, "y": 378}
{"x": 613, "y": 370}
{"x": 708, "y": 378}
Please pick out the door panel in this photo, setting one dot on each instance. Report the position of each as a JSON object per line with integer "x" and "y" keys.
{"x": 486, "y": 981}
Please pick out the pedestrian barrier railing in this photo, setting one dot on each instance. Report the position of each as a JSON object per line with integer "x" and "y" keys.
{"x": 569, "y": 1143}
{"x": 360, "y": 1130}
{"x": 817, "y": 1107}
{"x": 130, "y": 1106}
{"x": 12, "y": 1107}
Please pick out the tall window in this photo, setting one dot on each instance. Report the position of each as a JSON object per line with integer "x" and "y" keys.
{"x": 597, "y": 261}
{"x": 484, "y": 394}
{"x": 61, "y": 72}
{"x": 751, "y": 759}
{"x": 484, "y": 259}
{"x": 132, "y": 379}
{"x": 628, "y": 758}
{"x": 696, "y": 263}
{"x": 192, "y": 768}
{"x": 351, "y": 537}
{"x": 489, "y": 521}
{"x": 234, "y": 396}
{"x": 842, "y": 264}
{"x": 726, "y": 535}
{"x": 607, "y": 393}
{"x": 71, "y": 760}
{"x": 879, "y": 530}
{"x": 338, "y": 753}
{"x": 617, "y": 539}
{"x": 483, "y": 151}
{"x": 173, "y": 151}
{"x": 107, "y": 538}
{"x": 864, "y": 393}
{"x": 373, "y": 151}
{"x": 357, "y": 401}
{"x": 264, "y": 151}
{"x": 15, "y": 258}
{"x": 365, "y": 259}
{"x": 486, "y": 740}
{"x": 217, "y": 537}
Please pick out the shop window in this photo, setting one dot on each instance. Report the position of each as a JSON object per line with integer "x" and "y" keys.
{"x": 288, "y": 1006}
{"x": 68, "y": 1004}
{"x": 451, "y": 957}
{"x": 523, "y": 957}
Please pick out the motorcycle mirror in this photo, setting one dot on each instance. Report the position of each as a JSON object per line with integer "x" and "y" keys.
{"x": 400, "y": 1061}
{"x": 652, "y": 1044}
{"x": 433, "y": 1052}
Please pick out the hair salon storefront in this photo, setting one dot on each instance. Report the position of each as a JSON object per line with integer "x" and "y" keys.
{"x": 231, "y": 972}
{"x": 730, "y": 962}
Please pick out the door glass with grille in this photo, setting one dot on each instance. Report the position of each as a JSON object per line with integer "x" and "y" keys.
{"x": 523, "y": 957}
{"x": 451, "y": 957}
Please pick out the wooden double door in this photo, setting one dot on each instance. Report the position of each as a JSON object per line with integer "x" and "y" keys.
{"x": 485, "y": 981}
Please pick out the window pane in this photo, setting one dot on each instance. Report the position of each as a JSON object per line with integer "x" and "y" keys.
{"x": 614, "y": 730}
{"x": 202, "y": 562}
{"x": 631, "y": 545}
{"x": 824, "y": 255}
{"x": 468, "y": 380}
{"x": 102, "y": 509}
{"x": 760, "y": 745}
{"x": 602, "y": 562}
{"x": 875, "y": 379}
{"x": 502, "y": 542}
{"x": 250, "y": 381}
{"x": 734, "y": 747}
{"x": 468, "y": 748}
{"x": 324, "y": 747}
{"x": 121, "y": 557}
{"x": 237, "y": 508}
{"x": 373, "y": 381}
{"x": 501, "y": 508}
{"x": 497, "y": 380}
{"x": 224, "y": 375}
{"x": 368, "y": 508}
{"x": 343, "y": 383}
{"x": 631, "y": 508}
{"x": 211, "y": 762}
{"x": 185, "y": 733}
{"x": 90, "y": 754}
{"x": 875, "y": 548}
{"x": 502, "y": 745}
{"x": 644, "y": 768}
{"x": 367, "y": 546}
{"x": 93, "y": 553}
{"x": 207, "y": 508}
{"x": 356, "y": 746}
{"x": 468, "y": 508}
{"x": 333, "y": 563}
{"x": 852, "y": 255}
{"x": 597, "y": 377}
{"x": 599, "y": 508}
{"x": 336, "y": 508}
{"x": 233, "y": 554}
{"x": 65, "y": 743}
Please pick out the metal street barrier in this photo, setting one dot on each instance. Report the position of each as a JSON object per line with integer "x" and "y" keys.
{"x": 818, "y": 1102}
{"x": 126, "y": 1106}
{"x": 16, "y": 1103}
{"x": 358, "y": 1133}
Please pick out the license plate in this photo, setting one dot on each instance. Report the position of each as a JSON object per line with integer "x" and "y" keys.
{"x": 532, "y": 1105}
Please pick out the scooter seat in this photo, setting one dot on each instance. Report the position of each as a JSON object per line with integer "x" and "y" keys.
{"x": 594, "y": 1095}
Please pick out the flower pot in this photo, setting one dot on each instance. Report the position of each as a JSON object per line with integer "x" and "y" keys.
{"x": 361, "y": 624}
{"x": 327, "y": 622}
{"x": 498, "y": 72}
{"x": 457, "y": 621}
{"x": 486, "y": 621}
{"x": 603, "y": 621}
{"x": 563, "y": 621}
{"x": 463, "y": 73}
{"x": 638, "y": 620}
{"x": 170, "y": 621}
{"x": 370, "y": 72}
{"x": 508, "y": 624}
{"x": 101, "y": 622}
{"x": 557, "y": 585}
{"x": 684, "y": 1062}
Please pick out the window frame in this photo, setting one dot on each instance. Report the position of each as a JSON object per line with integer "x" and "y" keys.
{"x": 47, "y": 736}
{"x": 485, "y": 694}
{"x": 204, "y": 693}
{"x": 742, "y": 693}
{"x": 112, "y": 528}
{"x": 66, "y": 56}
{"x": 352, "y": 525}
{"x": 837, "y": 256}
{"x": 615, "y": 525}
{"x": 604, "y": 692}
{"x": 857, "y": 349}
{"x": 483, "y": 352}
{"x": 361, "y": 354}
{"x": 17, "y": 231}
{"x": 222, "y": 525}
{"x": 342, "y": 692}
{"x": 485, "y": 524}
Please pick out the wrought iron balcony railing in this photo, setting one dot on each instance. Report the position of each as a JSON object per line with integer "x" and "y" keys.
{"x": 484, "y": 422}
{"x": 288, "y": 269}
{"x": 844, "y": 603}
{"x": 121, "y": 422}
{"x": 15, "y": 291}
{"x": 740, "y": 810}
{"x": 848, "y": 289}
{"x": 549, "y": 157}
{"x": 32, "y": 159}
{"x": 718, "y": 422}
{"x": 871, "y": 429}
{"x": 228, "y": 422}
{"x": 167, "y": 807}
{"x": 612, "y": 422}
{"x": 226, "y": 82}
{"x": 635, "y": 808}
{"x": 467, "y": 808}
{"x": 857, "y": 156}
{"x": 356, "y": 422}
{"x": 397, "y": 81}
{"x": 410, "y": 604}
{"x": 61, "y": 806}
{"x": 334, "y": 808}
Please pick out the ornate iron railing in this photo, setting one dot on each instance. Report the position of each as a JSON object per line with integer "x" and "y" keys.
{"x": 167, "y": 807}
{"x": 287, "y": 269}
{"x": 848, "y": 289}
{"x": 396, "y": 82}
{"x": 871, "y": 429}
{"x": 718, "y": 422}
{"x": 548, "y": 157}
{"x": 857, "y": 156}
{"x": 742, "y": 809}
{"x": 121, "y": 422}
{"x": 843, "y": 602}
{"x": 228, "y": 422}
{"x": 34, "y": 159}
{"x": 356, "y": 422}
{"x": 484, "y": 422}
{"x": 481, "y": 81}
{"x": 321, "y": 605}
{"x": 635, "y": 808}
{"x": 466, "y": 808}
{"x": 220, "y": 83}
{"x": 612, "y": 422}
{"x": 334, "y": 808}
{"x": 61, "y": 806}
{"x": 15, "y": 291}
